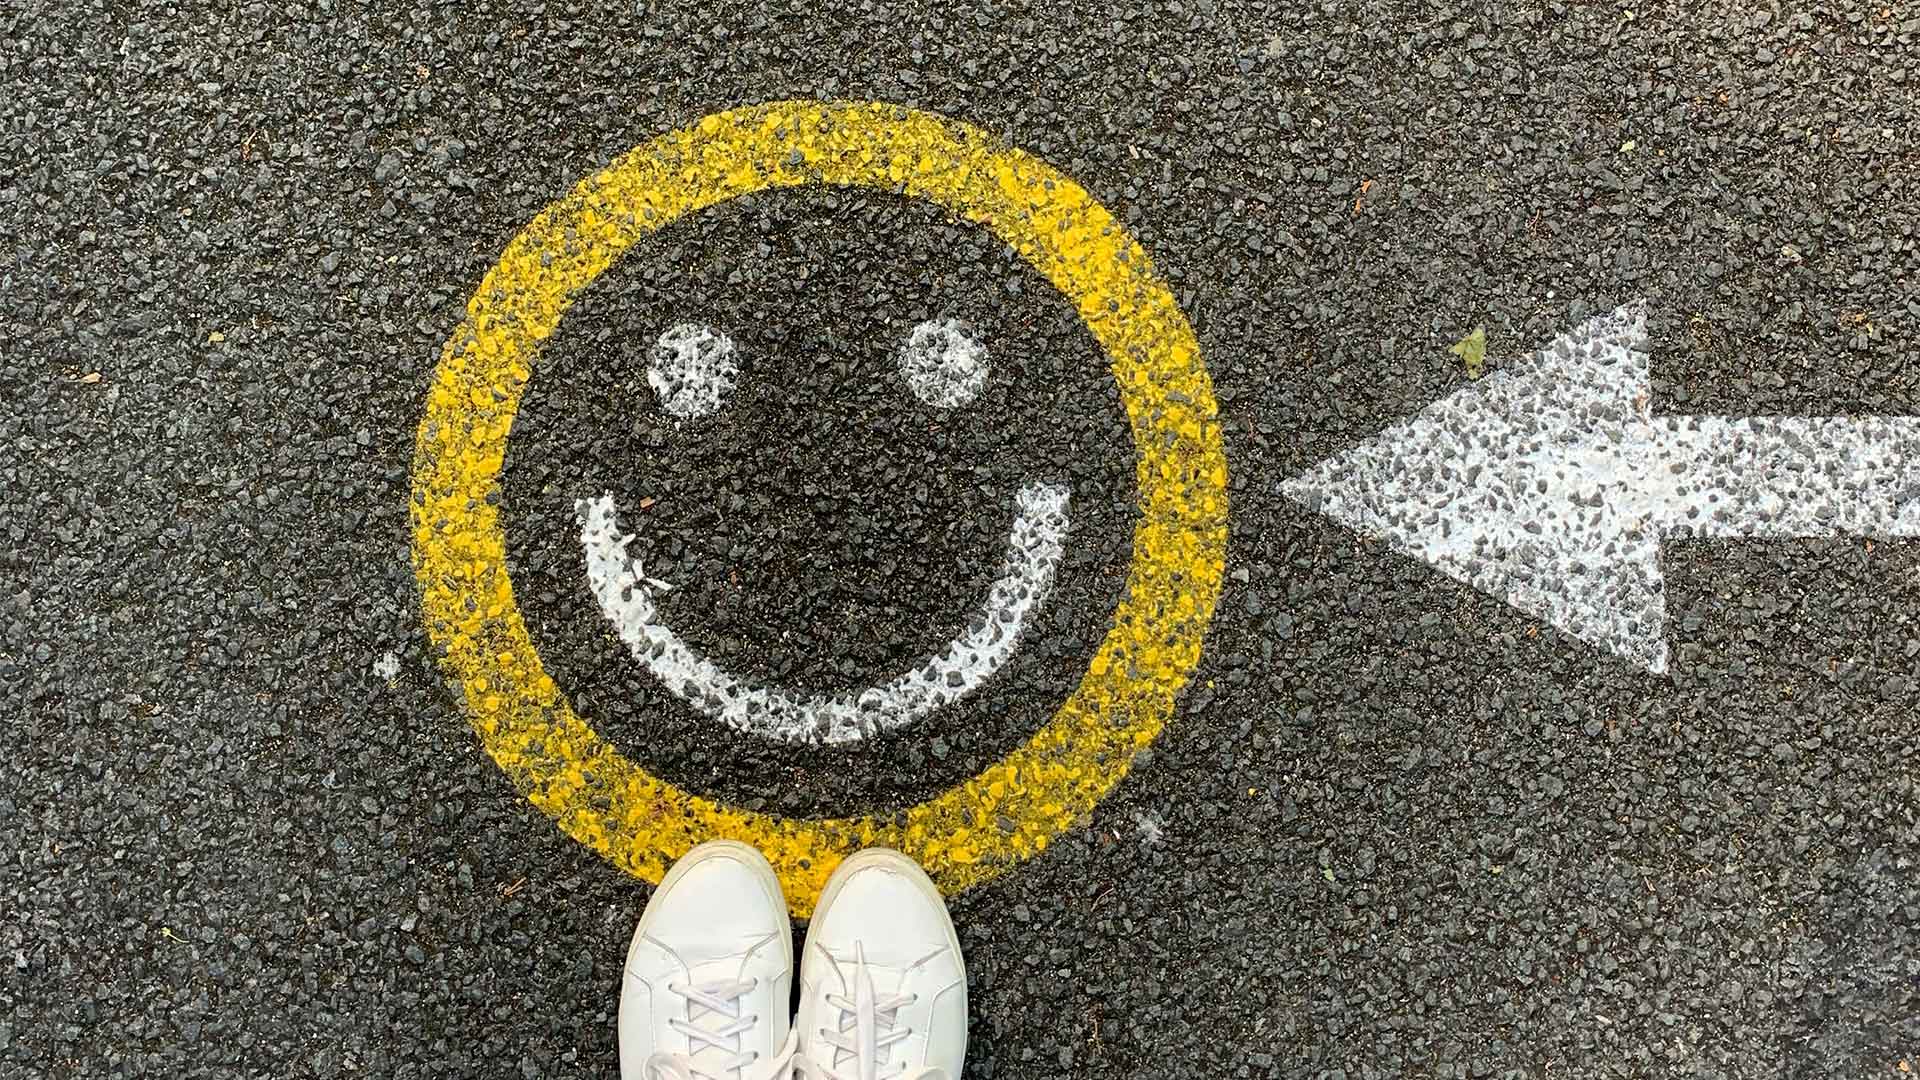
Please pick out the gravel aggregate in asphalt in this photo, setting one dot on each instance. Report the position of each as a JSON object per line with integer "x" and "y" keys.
{"x": 1397, "y": 829}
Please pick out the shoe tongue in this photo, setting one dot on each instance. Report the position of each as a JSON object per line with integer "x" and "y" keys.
{"x": 882, "y": 975}
{"x": 709, "y": 964}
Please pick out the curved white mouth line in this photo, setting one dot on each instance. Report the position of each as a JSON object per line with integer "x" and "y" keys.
{"x": 626, "y": 596}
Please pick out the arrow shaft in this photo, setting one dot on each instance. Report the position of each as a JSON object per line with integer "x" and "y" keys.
{"x": 1722, "y": 476}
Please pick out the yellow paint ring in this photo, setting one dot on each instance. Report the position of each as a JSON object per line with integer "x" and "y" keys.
{"x": 1003, "y": 815}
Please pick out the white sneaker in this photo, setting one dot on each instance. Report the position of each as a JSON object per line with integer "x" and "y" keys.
{"x": 883, "y": 990}
{"x": 709, "y": 973}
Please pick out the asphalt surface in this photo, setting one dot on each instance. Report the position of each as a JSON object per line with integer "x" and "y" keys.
{"x": 1397, "y": 828}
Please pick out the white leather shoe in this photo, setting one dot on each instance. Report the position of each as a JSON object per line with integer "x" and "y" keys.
{"x": 883, "y": 990}
{"x": 709, "y": 974}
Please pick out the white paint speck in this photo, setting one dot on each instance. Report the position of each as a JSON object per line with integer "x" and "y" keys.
{"x": 692, "y": 369}
{"x": 1152, "y": 830}
{"x": 387, "y": 667}
{"x": 944, "y": 363}
{"x": 626, "y": 596}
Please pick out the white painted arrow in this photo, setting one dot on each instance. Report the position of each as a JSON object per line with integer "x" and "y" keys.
{"x": 1550, "y": 485}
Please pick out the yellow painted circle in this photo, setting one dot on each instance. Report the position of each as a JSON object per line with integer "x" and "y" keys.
{"x": 1003, "y": 815}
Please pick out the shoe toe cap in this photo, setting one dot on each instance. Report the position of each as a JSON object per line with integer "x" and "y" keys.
{"x": 722, "y": 891}
{"x": 890, "y": 914}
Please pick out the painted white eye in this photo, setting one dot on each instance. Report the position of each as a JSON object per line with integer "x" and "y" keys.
{"x": 944, "y": 363}
{"x": 692, "y": 369}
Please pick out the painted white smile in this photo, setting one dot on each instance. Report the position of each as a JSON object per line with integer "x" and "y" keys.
{"x": 693, "y": 370}
{"x": 626, "y": 597}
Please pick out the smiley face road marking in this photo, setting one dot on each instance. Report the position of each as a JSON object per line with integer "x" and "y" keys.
{"x": 625, "y": 594}
{"x": 1009, "y": 811}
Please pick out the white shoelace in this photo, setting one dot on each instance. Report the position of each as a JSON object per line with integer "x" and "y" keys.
{"x": 706, "y": 1001}
{"x": 868, "y": 1028}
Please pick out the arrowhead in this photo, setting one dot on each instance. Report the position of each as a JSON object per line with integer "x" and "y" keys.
{"x": 1529, "y": 486}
